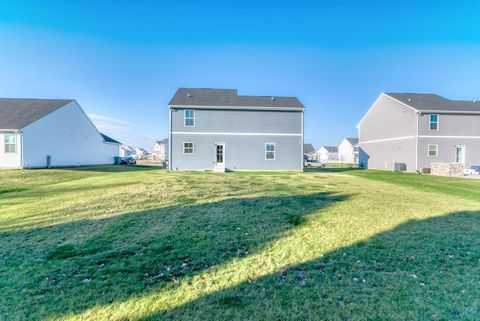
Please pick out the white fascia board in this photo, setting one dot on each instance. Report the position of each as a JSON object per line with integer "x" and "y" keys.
{"x": 236, "y": 134}
{"x": 238, "y": 107}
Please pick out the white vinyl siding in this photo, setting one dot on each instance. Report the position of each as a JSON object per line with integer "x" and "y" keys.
{"x": 189, "y": 118}
{"x": 270, "y": 151}
{"x": 433, "y": 150}
{"x": 188, "y": 147}
{"x": 10, "y": 143}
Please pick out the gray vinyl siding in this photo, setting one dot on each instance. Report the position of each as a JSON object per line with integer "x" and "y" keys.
{"x": 382, "y": 155}
{"x": 446, "y": 151}
{"x": 239, "y": 121}
{"x": 387, "y": 119}
{"x": 450, "y": 125}
{"x": 241, "y": 152}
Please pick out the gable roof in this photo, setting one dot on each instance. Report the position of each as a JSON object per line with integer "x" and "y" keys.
{"x": 109, "y": 139}
{"x": 208, "y": 97}
{"x": 434, "y": 102}
{"x": 308, "y": 149}
{"x": 331, "y": 149}
{"x": 353, "y": 141}
{"x": 164, "y": 141}
{"x": 16, "y": 113}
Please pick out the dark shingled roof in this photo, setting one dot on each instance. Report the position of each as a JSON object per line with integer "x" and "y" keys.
{"x": 308, "y": 149}
{"x": 16, "y": 113}
{"x": 109, "y": 139}
{"x": 229, "y": 98}
{"x": 331, "y": 149}
{"x": 423, "y": 102}
{"x": 164, "y": 141}
{"x": 353, "y": 141}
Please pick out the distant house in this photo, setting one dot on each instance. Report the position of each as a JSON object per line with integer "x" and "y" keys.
{"x": 217, "y": 129}
{"x": 141, "y": 153}
{"x": 327, "y": 154}
{"x": 50, "y": 132}
{"x": 348, "y": 151}
{"x": 160, "y": 150}
{"x": 417, "y": 130}
{"x": 127, "y": 151}
{"x": 308, "y": 151}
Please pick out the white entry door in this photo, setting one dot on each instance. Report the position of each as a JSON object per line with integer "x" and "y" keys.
{"x": 219, "y": 160}
{"x": 460, "y": 154}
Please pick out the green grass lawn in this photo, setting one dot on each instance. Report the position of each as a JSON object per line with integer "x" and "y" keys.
{"x": 139, "y": 243}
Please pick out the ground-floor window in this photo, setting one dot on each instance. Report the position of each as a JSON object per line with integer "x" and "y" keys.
{"x": 432, "y": 150}
{"x": 270, "y": 151}
{"x": 188, "y": 147}
{"x": 10, "y": 143}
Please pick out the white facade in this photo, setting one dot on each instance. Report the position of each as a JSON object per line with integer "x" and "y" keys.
{"x": 10, "y": 159}
{"x": 66, "y": 135}
{"x": 325, "y": 155}
{"x": 348, "y": 152}
{"x": 160, "y": 151}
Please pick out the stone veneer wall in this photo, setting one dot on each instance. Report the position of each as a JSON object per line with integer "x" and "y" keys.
{"x": 446, "y": 169}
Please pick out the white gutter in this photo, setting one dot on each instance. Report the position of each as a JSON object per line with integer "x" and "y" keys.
{"x": 238, "y": 107}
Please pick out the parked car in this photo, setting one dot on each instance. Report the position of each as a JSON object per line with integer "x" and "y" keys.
{"x": 128, "y": 160}
{"x": 314, "y": 163}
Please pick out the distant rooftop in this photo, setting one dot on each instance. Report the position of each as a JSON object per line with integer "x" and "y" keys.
{"x": 208, "y": 97}
{"x": 353, "y": 141}
{"x": 331, "y": 149}
{"x": 434, "y": 102}
{"x": 308, "y": 149}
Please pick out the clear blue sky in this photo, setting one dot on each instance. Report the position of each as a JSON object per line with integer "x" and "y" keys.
{"x": 123, "y": 60}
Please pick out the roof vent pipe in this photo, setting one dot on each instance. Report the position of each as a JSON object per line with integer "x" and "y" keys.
{"x": 273, "y": 98}
{"x": 409, "y": 99}
{"x": 189, "y": 95}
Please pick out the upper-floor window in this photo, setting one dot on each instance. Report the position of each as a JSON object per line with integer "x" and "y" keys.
{"x": 188, "y": 148}
{"x": 270, "y": 151}
{"x": 434, "y": 122}
{"x": 433, "y": 150}
{"x": 189, "y": 118}
{"x": 10, "y": 143}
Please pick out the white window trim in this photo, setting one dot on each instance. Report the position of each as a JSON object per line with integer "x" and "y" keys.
{"x": 464, "y": 153}
{"x": 274, "y": 152}
{"x": 430, "y": 122}
{"x": 185, "y": 118}
{"x": 193, "y": 148}
{"x": 436, "y": 150}
{"x": 14, "y": 143}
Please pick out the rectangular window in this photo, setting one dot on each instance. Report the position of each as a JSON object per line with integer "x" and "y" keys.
{"x": 432, "y": 150}
{"x": 434, "y": 122}
{"x": 189, "y": 118}
{"x": 188, "y": 148}
{"x": 10, "y": 143}
{"x": 270, "y": 151}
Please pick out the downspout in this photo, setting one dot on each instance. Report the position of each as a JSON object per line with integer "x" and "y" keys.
{"x": 416, "y": 140}
{"x": 21, "y": 150}
{"x": 303, "y": 134}
{"x": 170, "y": 138}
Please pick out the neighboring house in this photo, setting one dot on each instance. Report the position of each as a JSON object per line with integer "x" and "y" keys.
{"x": 217, "y": 129}
{"x": 308, "y": 151}
{"x": 327, "y": 154}
{"x": 160, "y": 150}
{"x": 419, "y": 129}
{"x": 50, "y": 132}
{"x": 141, "y": 153}
{"x": 348, "y": 151}
{"x": 127, "y": 151}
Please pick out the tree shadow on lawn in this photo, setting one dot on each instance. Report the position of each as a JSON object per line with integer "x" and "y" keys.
{"x": 68, "y": 268}
{"x": 421, "y": 270}
{"x": 111, "y": 168}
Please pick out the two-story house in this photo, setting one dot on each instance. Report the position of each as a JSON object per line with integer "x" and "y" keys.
{"x": 160, "y": 150}
{"x": 348, "y": 151}
{"x": 418, "y": 130}
{"x": 217, "y": 129}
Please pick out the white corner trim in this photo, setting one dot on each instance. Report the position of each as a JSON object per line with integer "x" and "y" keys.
{"x": 235, "y": 134}
{"x": 385, "y": 140}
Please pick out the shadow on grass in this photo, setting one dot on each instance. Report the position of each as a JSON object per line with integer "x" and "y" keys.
{"x": 66, "y": 269}
{"x": 421, "y": 270}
